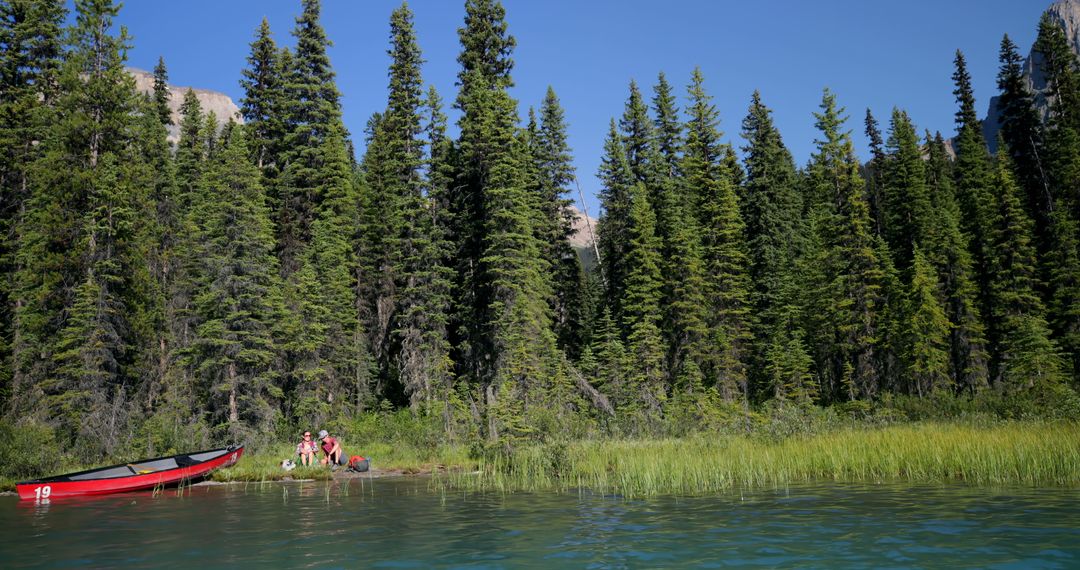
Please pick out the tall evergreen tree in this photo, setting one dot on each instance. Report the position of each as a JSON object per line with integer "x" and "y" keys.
{"x": 875, "y": 190}
{"x": 263, "y": 103}
{"x": 683, "y": 301}
{"x": 947, "y": 248}
{"x": 312, "y": 115}
{"x": 641, "y": 310}
{"x": 925, "y": 344}
{"x": 509, "y": 347}
{"x": 239, "y": 298}
{"x": 723, "y": 247}
{"x": 617, "y": 182}
{"x": 973, "y": 178}
{"x": 1057, "y": 227}
{"x": 772, "y": 209}
{"x": 1021, "y": 127}
{"x": 393, "y": 179}
{"x": 907, "y": 208}
{"x": 555, "y": 173}
{"x": 850, "y": 298}
{"x": 161, "y": 92}
{"x": 1024, "y": 354}
{"x": 156, "y": 168}
{"x": 85, "y": 304}
{"x": 426, "y": 368}
{"x": 485, "y": 66}
{"x": 30, "y": 56}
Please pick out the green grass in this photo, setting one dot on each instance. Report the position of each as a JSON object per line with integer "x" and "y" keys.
{"x": 265, "y": 464}
{"x": 1004, "y": 454}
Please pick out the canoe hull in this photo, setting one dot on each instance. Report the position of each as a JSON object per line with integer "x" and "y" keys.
{"x": 61, "y": 486}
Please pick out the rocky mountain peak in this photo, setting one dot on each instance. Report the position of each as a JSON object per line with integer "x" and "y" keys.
{"x": 1067, "y": 14}
{"x": 220, "y": 104}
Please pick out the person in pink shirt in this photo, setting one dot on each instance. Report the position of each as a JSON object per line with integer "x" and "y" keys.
{"x": 306, "y": 449}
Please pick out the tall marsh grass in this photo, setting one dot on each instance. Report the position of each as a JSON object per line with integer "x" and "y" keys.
{"x": 1009, "y": 453}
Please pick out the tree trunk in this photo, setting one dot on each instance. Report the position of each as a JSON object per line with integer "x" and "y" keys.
{"x": 234, "y": 412}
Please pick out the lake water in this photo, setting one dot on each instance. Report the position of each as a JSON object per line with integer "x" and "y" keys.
{"x": 406, "y": 524}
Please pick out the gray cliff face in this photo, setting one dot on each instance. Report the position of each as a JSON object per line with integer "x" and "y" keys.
{"x": 584, "y": 237}
{"x": 1067, "y": 14}
{"x": 220, "y": 104}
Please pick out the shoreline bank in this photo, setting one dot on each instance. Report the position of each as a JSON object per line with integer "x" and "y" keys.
{"x": 1008, "y": 453}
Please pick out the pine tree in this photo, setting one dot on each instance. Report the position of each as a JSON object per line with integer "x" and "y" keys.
{"x": 875, "y": 190}
{"x": 509, "y": 347}
{"x": 907, "y": 210}
{"x": 311, "y": 110}
{"x": 485, "y": 66}
{"x": 668, "y": 127}
{"x": 617, "y": 182}
{"x": 612, "y": 369}
{"x": 926, "y": 329}
{"x": 426, "y": 368}
{"x": 683, "y": 301}
{"x": 1057, "y": 227}
{"x": 262, "y": 105}
{"x": 641, "y": 310}
{"x": 947, "y": 248}
{"x": 163, "y": 226}
{"x": 30, "y": 50}
{"x": 393, "y": 180}
{"x": 181, "y": 220}
{"x": 1022, "y": 130}
{"x": 772, "y": 209}
{"x": 850, "y": 297}
{"x": 554, "y": 162}
{"x": 1024, "y": 354}
{"x": 972, "y": 171}
{"x": 161, "y": 92}
{"x": 239, "y": 298}
{"x": 87, "y": 206}
{"x": 406, "y": 246}
{"x": 723, "y": 247}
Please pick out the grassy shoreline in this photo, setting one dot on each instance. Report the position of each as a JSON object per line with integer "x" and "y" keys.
{"x": 1026, "y": 454}
{"x": 1010, "y": 453}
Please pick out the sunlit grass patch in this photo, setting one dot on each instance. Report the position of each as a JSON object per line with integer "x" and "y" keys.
{"x": 265, "y": 464}
{"x": 1011, "y": 453}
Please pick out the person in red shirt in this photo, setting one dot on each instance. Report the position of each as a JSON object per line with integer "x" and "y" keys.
{"x": 332, "y": 452}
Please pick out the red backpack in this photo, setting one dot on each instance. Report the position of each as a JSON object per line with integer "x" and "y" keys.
{"x": 359, "y": 463}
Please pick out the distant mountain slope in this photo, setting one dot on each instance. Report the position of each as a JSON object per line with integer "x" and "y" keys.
{"x": 220, "y": 104}
{"x": 583, "y": 238}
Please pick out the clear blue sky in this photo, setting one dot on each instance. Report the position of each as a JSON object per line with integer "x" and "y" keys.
{"x": 876, "y": 54}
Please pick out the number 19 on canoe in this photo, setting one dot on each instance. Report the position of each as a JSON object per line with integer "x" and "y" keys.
{"x": 42, "y": 492}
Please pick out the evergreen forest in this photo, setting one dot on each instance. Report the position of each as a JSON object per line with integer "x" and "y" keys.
{"x": 258, "y": 276}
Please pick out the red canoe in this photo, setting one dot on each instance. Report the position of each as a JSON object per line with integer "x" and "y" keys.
{"x": 131, "y": 476}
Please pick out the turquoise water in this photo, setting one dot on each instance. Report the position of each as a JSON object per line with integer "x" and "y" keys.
{"x": 406, "y": 524}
